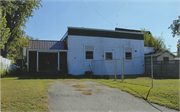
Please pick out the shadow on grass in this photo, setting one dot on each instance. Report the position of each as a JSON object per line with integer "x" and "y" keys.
{"x": 45, "y": 75}
{"x": 58, "y": 76}
{"x": 146, "y": 99}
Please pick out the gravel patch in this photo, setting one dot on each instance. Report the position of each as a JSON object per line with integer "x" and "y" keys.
{"x": 64, "y": 97}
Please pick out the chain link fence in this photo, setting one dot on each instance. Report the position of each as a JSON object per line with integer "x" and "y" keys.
{"x": 136, "y": 66}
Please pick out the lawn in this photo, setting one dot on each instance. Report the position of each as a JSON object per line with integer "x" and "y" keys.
{"x": 30, "y": 94}
{"x": 24, "y": 95}
{"x": 164, "y": 92}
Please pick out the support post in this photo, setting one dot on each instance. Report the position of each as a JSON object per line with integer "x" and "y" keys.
{"x": 58, "y": 62}
{"x": 37, "y": 61}
{"x": 115, "y": 68}
{"x": 152, "y": 69}
{"x": 122, "y": 67}
{"x": 101, "y": 69}
{"x": 92, "y": 66}
{"x": 179, "y": 60}
{"x": 161, "y": 69}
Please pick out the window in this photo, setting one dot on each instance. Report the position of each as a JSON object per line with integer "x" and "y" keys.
{"x": 166, "y": 59}
{"x": 108, "y": 55}
{"x": 128, "y": 53}
{"x": 89, "y": 52}
{"x": 128, "y": 56}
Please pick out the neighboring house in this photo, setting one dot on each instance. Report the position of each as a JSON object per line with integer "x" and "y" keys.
{"x": 79, "y": 46}
{"x": 164, "y": 55}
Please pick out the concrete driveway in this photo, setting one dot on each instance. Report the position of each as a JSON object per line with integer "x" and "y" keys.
{"x": 65, "y": 96}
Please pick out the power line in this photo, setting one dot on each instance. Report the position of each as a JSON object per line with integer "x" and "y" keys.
{"x": 99, "y": 13}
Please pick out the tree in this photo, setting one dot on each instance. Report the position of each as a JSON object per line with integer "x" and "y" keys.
{"x": 175, "y": 27}
{"x": 156, "y": 42}
{"x": 15, "y": 47}
{"x": 5, "y": 31}
{"x": 16, "y": 14}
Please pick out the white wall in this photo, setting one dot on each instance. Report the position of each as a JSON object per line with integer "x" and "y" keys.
{"x": 77, "y": 65}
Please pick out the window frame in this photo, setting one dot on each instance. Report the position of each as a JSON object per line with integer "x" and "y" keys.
{"x": 128, "y": 52}
{"x": 106, "y": 55}
{"x": 88, "y": 50}
{"x": 108, "y": 52}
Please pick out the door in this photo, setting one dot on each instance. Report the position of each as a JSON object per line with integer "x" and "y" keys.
{"x": 32, "y": 61}
{"x": 48, "y": 62}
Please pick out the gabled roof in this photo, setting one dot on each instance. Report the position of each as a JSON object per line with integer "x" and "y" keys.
{"x": 103, "y": 33}
{"x": 129, "y": 30}
{"x": 159, "y": 53}
{"x": 44, "y": 44}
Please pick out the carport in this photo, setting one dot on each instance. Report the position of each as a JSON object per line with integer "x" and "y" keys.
{"x": 47, "y": 56}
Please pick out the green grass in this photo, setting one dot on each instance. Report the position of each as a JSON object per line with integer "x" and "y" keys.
{"x": 164, "y": 92}
{"x": 24, "y": 95}
{"x": 30, "y": 94}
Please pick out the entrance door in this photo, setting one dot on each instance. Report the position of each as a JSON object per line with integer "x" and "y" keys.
{"x": 32, "y": 61}
{"x": 63, "y": 62}
{"x": 48, "y": 62}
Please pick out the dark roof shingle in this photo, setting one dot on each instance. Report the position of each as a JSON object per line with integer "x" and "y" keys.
{"x": 43, "y": 44}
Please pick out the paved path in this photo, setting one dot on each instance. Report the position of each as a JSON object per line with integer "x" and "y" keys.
{"x": 64, "y": 97}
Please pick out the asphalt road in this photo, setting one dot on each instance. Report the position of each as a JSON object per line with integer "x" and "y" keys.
{"x": 64, "y": 97}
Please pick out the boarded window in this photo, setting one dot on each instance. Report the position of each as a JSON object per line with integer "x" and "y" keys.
{"x": 128, "y": 53}
{"x": 128, "y": 49}
{"x": 89, "y": 48}
{"x": 89, "y": 54}
{"x": 108, "y": 55}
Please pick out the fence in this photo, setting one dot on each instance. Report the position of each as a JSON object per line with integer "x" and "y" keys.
{"x": 4, "y": 63}
{"x": 163, "y": 68}
{"x": 116, "y": 67}
{"x": 136, "y": 66}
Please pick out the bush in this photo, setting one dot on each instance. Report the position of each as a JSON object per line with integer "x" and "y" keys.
{"x": 3, "y": 72}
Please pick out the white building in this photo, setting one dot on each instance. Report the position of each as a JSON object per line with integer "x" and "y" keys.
{"x": 101, "y": 46}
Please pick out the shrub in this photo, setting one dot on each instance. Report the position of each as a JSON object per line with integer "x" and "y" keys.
{"x": 3, "y": 72}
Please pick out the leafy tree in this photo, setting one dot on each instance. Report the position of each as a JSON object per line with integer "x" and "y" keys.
{"x": 16, "y": 47}
{"x": 156, "y": 42}
{"x": 5, "y": 31}
{"x": 16, "y": 14}
{"x": 175, "y": 27}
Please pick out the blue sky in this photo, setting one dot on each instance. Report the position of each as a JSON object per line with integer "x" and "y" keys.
{"x": 50, "y": 22}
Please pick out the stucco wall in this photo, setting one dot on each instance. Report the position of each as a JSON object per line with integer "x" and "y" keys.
{"x": 77, "y": 64}
{"x": 160, "y": 58}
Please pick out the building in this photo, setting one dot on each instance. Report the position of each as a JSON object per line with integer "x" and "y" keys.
{"x": 83, "y": 49}
{"x": 163, "y": 55}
